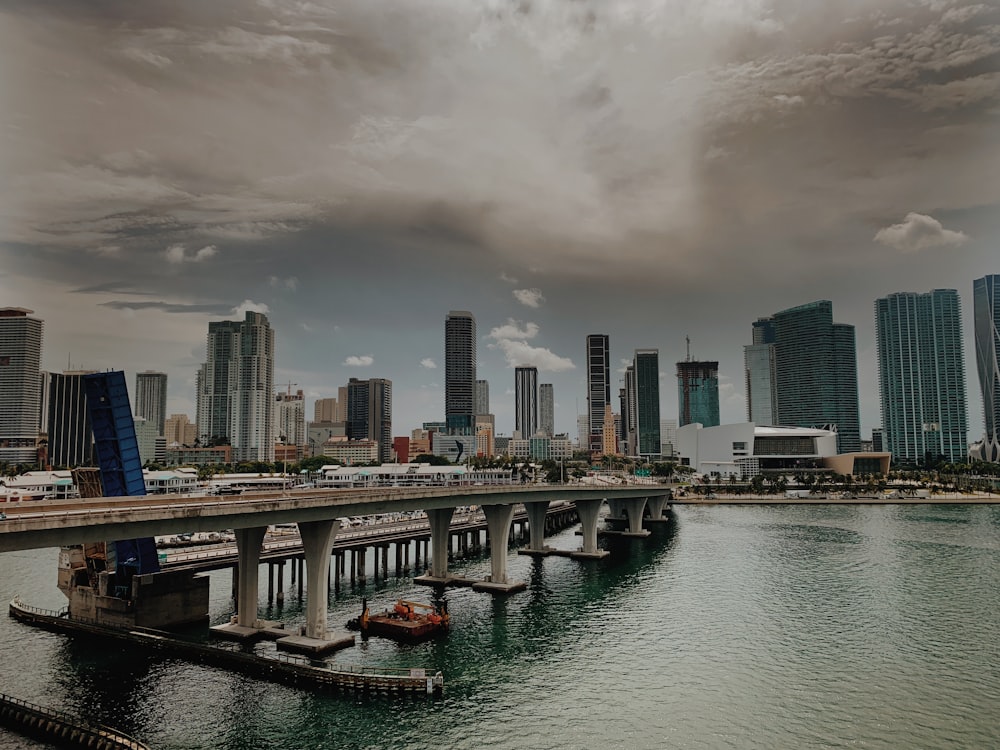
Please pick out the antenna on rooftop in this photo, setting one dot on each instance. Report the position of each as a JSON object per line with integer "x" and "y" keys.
{"x": 688, "y": 340}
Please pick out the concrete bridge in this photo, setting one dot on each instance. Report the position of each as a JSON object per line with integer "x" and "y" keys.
{"x": 316, "y": 512}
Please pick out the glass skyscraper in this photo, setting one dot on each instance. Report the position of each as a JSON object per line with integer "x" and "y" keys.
{"x": 546, "y": 409}
{"x": 922, "y": 376}
{"x": 20, "y": 387}
{"x": 647, "y": 402}
{"x": 698, "y": 393}
{"x": 986, "y": 315}
{"x": 460, "y": 372}
{"x": 758, "y": 364}
{"x": 816, "y": 372}
{"x": 151, "y": 398}
{"x": 526, "y": 401}
{"x": 598, "y": 387}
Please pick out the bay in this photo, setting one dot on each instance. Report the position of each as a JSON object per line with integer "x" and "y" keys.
{"x": 730, "y": 627}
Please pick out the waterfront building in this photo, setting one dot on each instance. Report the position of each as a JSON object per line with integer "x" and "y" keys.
{"x": 236, "y": 387}
{"x": 352, "y": 451}
{"x": 460, "y": 372}
{"x": 647, "y": 402}
{"x": 185, "y": 455}
{"x": 526, "y": 401}
{"x": 921, "y": 370}
{"x": 325, "y": 410}
{"x": 758, "y": 365}
{"x": 178, "y": 430}
{"x": 598, "y": 388}
{"x": 816, "y": 372}
{"x": 71, "y": 441}
{"x": 369, "y": 413}
{"x": 986, "y": 320}
{"x": 151, "y": 399}
{"x": 290, "y": 421}
{"x": 546, "y": 409}
{"x": 698, "y": 393}
{"x": 456, "y": 448}
{"x": 745, "y": 450}
{"x": 20, "y": 392}
{"x": 484, "y": 439}
{"x": 541, "y": 448}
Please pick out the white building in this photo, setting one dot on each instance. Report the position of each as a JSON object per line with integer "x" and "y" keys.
{"x": 409, "y": 475}
{"x": 746, "y": 449}
{"x": 290, "y": 419}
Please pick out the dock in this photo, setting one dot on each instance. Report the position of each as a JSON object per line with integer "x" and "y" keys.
{"x": 287, "y": 669}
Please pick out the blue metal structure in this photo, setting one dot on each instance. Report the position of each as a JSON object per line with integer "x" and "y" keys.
{"x": 117, "y": 453}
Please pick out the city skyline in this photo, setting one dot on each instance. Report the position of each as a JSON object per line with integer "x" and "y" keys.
{"x": 355, "y": 174}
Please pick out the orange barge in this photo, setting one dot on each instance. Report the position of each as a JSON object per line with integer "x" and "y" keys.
{"x": 407, "y": 621}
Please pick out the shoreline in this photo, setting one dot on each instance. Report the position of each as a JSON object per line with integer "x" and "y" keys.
{"x": 942, "y": 499}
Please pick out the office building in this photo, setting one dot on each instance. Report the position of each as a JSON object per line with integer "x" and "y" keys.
{"x": 71, "y": 441}
{"x": 758, "y": 364}
{"x": 369, "y": 414}
{"x": 986, "y": 322}
{"x": 816, "y": 372}
{"x": 236, "y": 388}
{"x": 460, "y": 372}
{"x": 609, "y": 444}
{"x": 20, "y": 392}
{"x": 921, "y": 372}
{"x": 598, "y": 388}
{"x": 151, "y": 400}
{"x": 546, "y": 409}
{"x": 698, "y": 393}
{"x": 647, "y": 402}
{"x": 525, "y": 401}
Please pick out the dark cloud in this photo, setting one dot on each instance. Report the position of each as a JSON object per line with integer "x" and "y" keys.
{"x": 170, "y": 307}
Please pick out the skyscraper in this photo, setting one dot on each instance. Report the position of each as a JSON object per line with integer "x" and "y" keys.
{"x": 20, "y": 393}
{"x": 213, "y": 407}
{"x": 526, "y": 401}
{"x": 151, "y": 398}
{"x": 647, "y": 402}
{"x": 986, "y": 317}
{"x": 460, "y": 372}
{"x": 698, "y": 393}
{"x": 598, "y": 387}
{"x": 758, "y": 364}
{"x": 546, "y": 409}
{"x": 816, "y": 372}
{"x": 369, "y": 413}
{"x": 921, "y": 374}
{"x": 482, "y": 397}
{"x": 236, "y": 388}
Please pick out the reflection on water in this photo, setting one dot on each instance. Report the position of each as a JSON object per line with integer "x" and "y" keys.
{"x": 776, "y": 626}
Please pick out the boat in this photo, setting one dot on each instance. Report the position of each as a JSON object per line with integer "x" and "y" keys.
{"x": 407, "y": 621}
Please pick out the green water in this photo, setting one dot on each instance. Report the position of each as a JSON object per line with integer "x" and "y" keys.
{"x": 741, "y": 627}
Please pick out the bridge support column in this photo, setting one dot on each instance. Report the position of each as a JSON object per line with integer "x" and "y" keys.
{"x": 634, "y": 507}
{"x": 537, "y": 522}
{"x": 317, "y": 541}
{"x": 498, "y": 523}
{"x": 656, "y": 505}
{"x": 440, "y": 522}
{"x": 588, "y": 511}
{"x": 248, "y": 544}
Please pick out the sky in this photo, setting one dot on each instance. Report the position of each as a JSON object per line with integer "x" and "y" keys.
{"x": 649, "y": 169}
